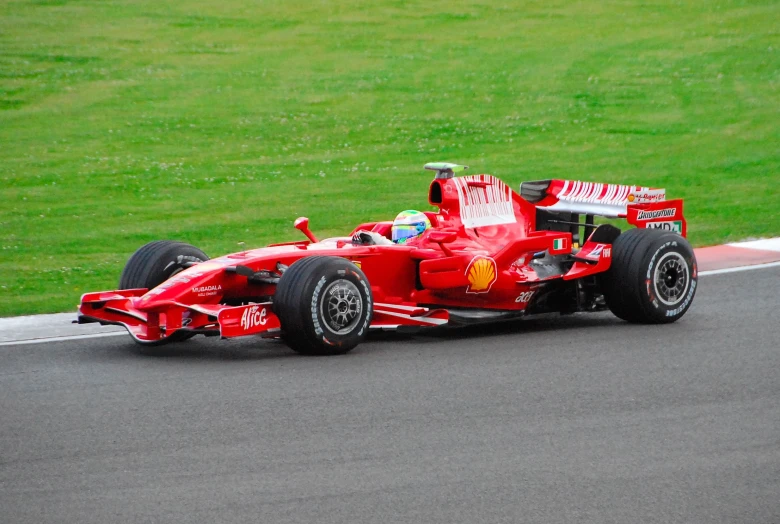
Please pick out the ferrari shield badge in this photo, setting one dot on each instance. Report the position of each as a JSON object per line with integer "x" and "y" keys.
{"x": 482, "y": 274}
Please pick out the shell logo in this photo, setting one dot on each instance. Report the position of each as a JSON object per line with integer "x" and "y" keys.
{"x": 482, "y": 274}
{"x": 631, "y": 197}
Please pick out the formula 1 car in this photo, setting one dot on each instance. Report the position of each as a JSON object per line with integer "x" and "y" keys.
{"x": 490, "y": 254}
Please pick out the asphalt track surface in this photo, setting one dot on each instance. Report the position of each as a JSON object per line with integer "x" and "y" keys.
{"x": 571, "y": 419}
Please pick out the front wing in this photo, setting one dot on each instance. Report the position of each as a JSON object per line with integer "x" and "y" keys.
{"x": 169, "y": 318}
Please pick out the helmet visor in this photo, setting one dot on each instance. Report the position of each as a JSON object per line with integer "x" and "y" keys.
{"x": 403, "y": 232}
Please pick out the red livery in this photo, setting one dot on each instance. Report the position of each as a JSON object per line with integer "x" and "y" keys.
{"x": 489, "y": 254}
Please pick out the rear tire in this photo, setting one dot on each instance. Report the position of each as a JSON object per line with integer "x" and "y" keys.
{"x": 653, "y": 277}
{"x": 324, "y": 305}
{"x": 153, "y": 264}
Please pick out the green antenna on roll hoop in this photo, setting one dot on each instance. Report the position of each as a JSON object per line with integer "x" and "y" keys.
{"x": 445, "y": 169}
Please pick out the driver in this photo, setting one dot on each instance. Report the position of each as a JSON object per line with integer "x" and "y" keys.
{"x": 408, "y": 225}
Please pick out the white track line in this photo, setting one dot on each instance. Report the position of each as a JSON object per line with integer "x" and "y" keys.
{"x": 62, "y": 339}
{"x": 737, "y": 269}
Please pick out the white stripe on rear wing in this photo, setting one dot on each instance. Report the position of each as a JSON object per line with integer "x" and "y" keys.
{"x": 609, "y": 200}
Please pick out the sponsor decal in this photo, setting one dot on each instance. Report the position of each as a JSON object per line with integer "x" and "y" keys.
{"x": 315, "y": 318}
{"x": 673, "y": 225}
{"x": 600, "y": 251}
{"x": 252, "y": 317}
{"x": 482, "y": 274}
{"x": 647, "y": 196}
{"x": 688, "y": 298}
{"x": 524, "y": 297}
{"x": 608, "y": 194}
{"x": 369, "y": 305}
{"x": 658, "y": 213}
{"x": 596, "y": 251}
{"x": 484, "y": 201}
{"x": 207, "y": 291}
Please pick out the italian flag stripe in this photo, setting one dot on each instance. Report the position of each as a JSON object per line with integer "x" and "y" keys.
{"x": 559, "y": 243}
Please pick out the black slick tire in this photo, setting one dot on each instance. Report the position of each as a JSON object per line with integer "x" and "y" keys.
{"x": 156, "y": 262}
{"x": 324, "y": 305}
{"x": 153, "y": 264}
{"x": 652, "y": 278}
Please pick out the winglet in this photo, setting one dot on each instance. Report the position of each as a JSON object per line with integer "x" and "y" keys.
{"x": 445, "y": 169}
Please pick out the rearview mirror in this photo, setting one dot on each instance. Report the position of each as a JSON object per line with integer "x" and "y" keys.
{"x": 442, "y": 237}
{"x": 302, "y": 225}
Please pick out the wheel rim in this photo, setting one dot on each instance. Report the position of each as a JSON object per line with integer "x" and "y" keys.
{"x": 341, "y": 306}
{"x": 671, "y": 279}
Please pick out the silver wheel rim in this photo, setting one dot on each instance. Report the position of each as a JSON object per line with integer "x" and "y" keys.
{"x": 341, "y": 306}
{"x": 671, "y": 279}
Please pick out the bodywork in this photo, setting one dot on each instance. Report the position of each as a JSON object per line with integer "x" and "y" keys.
{"x": 491, "y": 253}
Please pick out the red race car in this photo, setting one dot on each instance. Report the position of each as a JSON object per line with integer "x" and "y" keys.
{"x": 487, "y": 254}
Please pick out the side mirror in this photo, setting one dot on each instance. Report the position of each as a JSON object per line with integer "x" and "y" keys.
{"x": 442, "y": 237}
{"x": 302, "y": 225}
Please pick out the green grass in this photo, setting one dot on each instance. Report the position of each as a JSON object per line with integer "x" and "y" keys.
{"x": 215, "y": 123}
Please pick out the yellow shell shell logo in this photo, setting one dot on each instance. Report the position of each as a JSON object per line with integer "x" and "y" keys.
{"x": 481, "y": 274}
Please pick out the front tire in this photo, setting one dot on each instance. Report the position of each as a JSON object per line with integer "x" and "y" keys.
{"x": 324, "y": 305}
{"x": 153, "y": 264}
{"x": 653, "y": 277}
{"x": 156, "y": 262}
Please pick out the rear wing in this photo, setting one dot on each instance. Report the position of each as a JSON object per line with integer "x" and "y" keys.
{"x": 643, "y": 207}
